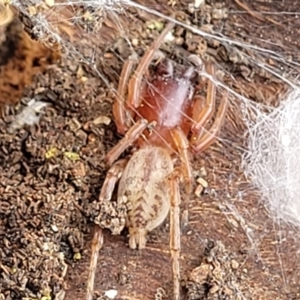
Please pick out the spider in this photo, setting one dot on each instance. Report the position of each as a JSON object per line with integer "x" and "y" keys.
{"x": 165, "y": 120}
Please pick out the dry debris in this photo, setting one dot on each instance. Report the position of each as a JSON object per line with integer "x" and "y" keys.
{"x": 21, "y": 58}
{"x": 28, "y": 116}
{"x": 218, "y": 276}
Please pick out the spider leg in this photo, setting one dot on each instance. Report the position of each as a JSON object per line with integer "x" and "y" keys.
{"x": 182, "y": 145}
{"x": 208, "y": 106}
{"x": 204, "y": 139}
{"x": 198, "y": 106}
{"x": 97, "y": 244}
{"x": 134, "y": 99}
{"x": 113, "y": 175}
{"x": 123, "y": 115}
{"x": 131, "y": 136}
{"x": 175, "y": 233}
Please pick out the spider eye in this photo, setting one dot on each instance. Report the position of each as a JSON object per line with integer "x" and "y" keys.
{"x": 165, "y": 68}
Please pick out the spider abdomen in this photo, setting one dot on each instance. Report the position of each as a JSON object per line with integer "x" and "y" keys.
{"x": 144, "y": 183}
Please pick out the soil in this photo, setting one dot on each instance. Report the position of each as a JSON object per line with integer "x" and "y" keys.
{"x": 51, "y": 171}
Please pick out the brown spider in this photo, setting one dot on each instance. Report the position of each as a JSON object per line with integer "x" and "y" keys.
{"x": 158, "y": 117}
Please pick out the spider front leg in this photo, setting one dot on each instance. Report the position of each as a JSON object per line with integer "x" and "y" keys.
{"x": 204, "y": 138}
{"x": 122, "y": 115}
{"x": 134, "y": 86}
{"x": 208, "y": 107}
{"x": 131, "y": 136}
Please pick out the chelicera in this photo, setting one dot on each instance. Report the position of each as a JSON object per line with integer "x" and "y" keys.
{"x": 166, "y": 122}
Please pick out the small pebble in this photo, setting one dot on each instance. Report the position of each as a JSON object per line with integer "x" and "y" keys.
{"x": 179, "y": 41}
{"x": 77, "y": 256}
{"x": 111, "y": 294}
{"x": 203, "y": 172}
{"x": 54, "y": 228}
{"x": 102, "y": 120}
{"x": 199, "y": 190}
{"x": 234, "y": 264}
{"x": 50, "y": 3}
{"x": 198, "y": 3}
{"x": 135, "y": 42}
{"x": 214, "y": 289}
{"x": 203, "y": 182}
{"x": 79, "y": 73}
